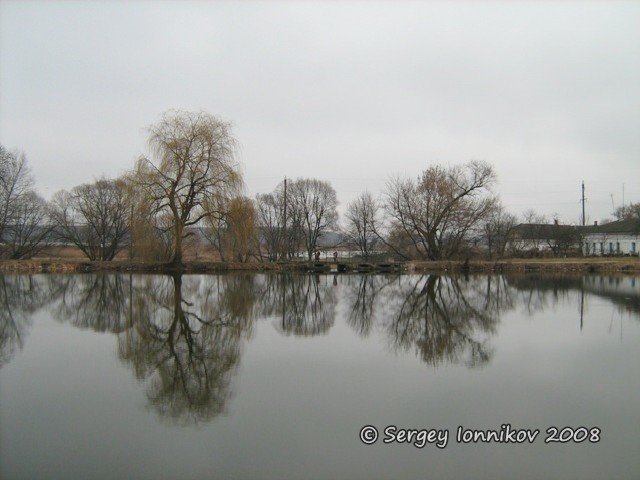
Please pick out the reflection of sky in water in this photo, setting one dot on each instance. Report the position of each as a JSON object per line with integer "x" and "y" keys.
{"x": 272, "y": 376}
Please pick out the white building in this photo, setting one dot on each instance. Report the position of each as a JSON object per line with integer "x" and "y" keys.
{"x": 540, "y": 237}
{"x": 615, "y": 238}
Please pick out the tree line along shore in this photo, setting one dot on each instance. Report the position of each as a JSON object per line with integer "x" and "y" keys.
{"x": 185, "y": 198}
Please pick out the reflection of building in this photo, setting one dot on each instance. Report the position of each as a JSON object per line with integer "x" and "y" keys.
{"x": 615, "y": 238}
{"x": 620, "y": 290}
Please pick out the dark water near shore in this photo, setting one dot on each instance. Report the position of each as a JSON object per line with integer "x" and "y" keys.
{"x": 273, "y": 376}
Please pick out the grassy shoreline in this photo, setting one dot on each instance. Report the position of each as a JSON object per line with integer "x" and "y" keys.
{"x": 519, "y": 265}
{"x": 551, "y": 265}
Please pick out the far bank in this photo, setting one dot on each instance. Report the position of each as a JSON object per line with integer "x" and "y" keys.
{"x": 551, "y": 265}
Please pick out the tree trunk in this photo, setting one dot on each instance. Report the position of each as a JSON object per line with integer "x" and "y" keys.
{"x": 177, "y": 253}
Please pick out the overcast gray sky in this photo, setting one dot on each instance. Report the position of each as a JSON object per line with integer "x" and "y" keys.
{"x": 347, "y": 92}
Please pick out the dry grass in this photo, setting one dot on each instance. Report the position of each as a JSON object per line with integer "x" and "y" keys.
{"x": 206, "y": 259}
{"x": 581, "y": 264}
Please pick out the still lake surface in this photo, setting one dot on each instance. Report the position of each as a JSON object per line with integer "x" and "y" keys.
{"x": 273, "y": 376}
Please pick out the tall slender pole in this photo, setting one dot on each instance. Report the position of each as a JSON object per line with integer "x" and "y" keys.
{"x": 131, "y": 234}
{"x": 583, "y": 216}
{"x": 284, "y": 221}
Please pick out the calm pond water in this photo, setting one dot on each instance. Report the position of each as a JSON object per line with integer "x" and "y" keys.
{"x": 274, "y": 376}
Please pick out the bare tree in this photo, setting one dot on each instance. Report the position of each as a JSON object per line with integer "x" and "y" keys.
{"x": 437, "y": 212}
{"x": 15, "y": 181}
{"x": 270, "y": 217}
{"x": 95, "y": 217}
{"x": 30, "y": 231}
{"x": 281, "y": 226}
{"x": 362, "y": 221}
{"x": 313, "y": 203}
{"x": 628, "y": 212}
{"x": 497, "y": 230}
{"x": 194, "y": 166}
{"x": 24, "y": 229}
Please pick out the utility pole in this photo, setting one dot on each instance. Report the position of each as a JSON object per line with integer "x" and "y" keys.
{"x": 284, "y": 221}
{"x": 583, "y": 216}
{"x": 131, "y": 234}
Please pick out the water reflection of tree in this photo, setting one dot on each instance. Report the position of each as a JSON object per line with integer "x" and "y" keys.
{"x": 100, "y": 302}
{"x": 444, "y": 319}
{"x": 362, "y": 295}
{"x": 20, "y": 297}
{"x": 185, "y": 342}
{"x": 304, "y": 304}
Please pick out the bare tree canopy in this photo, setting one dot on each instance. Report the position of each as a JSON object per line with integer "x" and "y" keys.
{"x": 361, "y": 223}
{"x": 437, "y": 212}
{"x": 30, "y": 231}
{"x": 270, "y": 217}
{"x": 312, "y": 204}
{"x": 628, "y": 212}
{"x": 497, "y": 230}
{"x": 94, "y": 217}
{"x": 24, "y": 225}
{"x": 280, "y": 224}
{"x": 193, "y": 169}
{"x": 15, "y": 182}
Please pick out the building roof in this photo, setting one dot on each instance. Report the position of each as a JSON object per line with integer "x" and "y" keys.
{"x": 619, "y": 226}
{"x": 529, "y": 231}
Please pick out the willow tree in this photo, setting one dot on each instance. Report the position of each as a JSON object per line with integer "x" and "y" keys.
{"x": 193, "y": 167}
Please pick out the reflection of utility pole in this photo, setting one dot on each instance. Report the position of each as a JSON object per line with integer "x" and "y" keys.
{"x": 127, "y": 332}
{"x": 284, "y": 308}
{"x": 583, "y": 217}
{"x": 581, "y": 307}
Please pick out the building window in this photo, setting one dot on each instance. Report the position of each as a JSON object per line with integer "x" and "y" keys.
{"x": 601, "y": 247}
{"x": 633, "y": 247}
{"x": 610, "y": 247}
{"x": 617, "y": 247}
{"x": 594, "y": 248}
